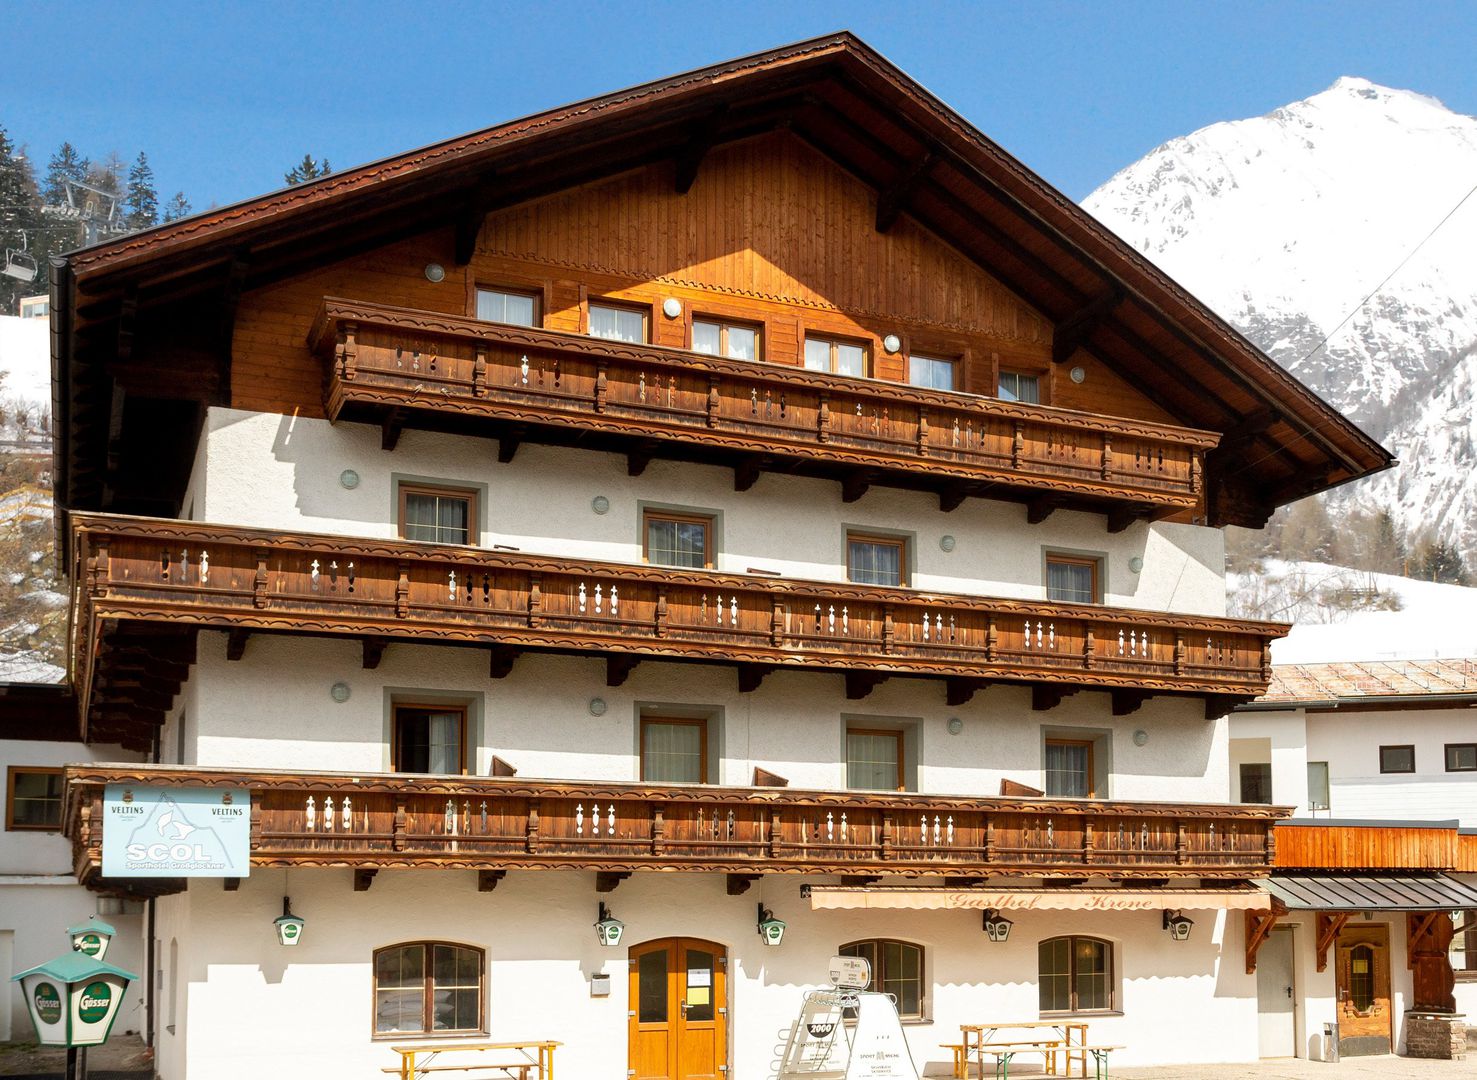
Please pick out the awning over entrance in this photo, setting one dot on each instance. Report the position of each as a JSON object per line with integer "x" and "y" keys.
{"x": 923, "y": 898}
{"x": 1371, "y": 892}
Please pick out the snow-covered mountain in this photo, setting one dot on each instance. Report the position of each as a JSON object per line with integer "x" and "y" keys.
{"x": 1285, "y": 222}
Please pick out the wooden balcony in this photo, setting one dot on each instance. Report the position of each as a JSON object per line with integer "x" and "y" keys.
{"x": 400, "y": 367}
{"x": 369, "y": 822}
{"x": 1351, "y": 845}
{"x": 169, "y": 574}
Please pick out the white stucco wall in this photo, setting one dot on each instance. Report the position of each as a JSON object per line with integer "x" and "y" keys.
{"x": 272, "y": 471}
{"x": 1277, "y": 738}
{"x": 308, "y": 1009}
{"x": 273, "y": 709}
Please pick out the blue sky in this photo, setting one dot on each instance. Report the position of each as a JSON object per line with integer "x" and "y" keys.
{"x": 224, "y": 97}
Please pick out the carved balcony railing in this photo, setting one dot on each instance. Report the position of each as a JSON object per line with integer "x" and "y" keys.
{"x": 401, "y": 366}
{"x": 244, "y": 580}
{"x": 369, "y": 821}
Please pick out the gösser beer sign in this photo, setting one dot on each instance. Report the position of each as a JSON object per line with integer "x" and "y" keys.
{"x": 73, "y": 999}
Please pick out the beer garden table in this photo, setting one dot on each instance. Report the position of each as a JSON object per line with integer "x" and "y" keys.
{"x": 975, "y": 1037}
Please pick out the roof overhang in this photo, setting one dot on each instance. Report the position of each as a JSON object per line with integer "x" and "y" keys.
{"x": 926, "y": 898}
{"x": 1370, "y": 892}
{"x": 1280, "y": 441}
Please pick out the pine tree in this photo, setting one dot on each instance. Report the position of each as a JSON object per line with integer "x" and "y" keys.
{"x": 1389, "y": 552}
{"x": 307, "y": 169}
{"x": 107, "y": 175}
{"x": 1442, "y": 562}
{"x": 143, "y": 201}
{"x": 66, "y": 164}
{"x": 20, "y": 220}
{"x": 177, "y": 207}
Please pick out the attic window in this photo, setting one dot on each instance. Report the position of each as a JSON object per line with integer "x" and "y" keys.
{"x": 1019, "y": 386}
{"x": 502, "y": 306}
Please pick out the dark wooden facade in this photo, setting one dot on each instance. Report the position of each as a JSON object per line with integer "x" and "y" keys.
{"x": 372, "y": 822}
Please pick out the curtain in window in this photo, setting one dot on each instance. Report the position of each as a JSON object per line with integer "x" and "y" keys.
{"x": 1069, "y": 582}
{"x": 817, "y": 355}
{"x": 515, "y": 308}
{"x": 445, "y": 743}
{"x": 440, "y": 519}
{"x": 743, "y": 342}
{"x": 874, "y": 564}
{"x": 872, "y": 760}
{"x": 617, "y": 324}
{"x": 672, "y": 753}
{"x": 1067, "y": 770}
{"x": 677, "y": 543}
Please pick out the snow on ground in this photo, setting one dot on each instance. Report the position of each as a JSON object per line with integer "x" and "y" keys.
{"x": 25, "y": 358}
{"x": 1434, "y": 621}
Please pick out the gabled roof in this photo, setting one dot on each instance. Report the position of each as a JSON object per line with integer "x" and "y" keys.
{"x": 838, "y": 94}
{"x": 1370, "y": 681}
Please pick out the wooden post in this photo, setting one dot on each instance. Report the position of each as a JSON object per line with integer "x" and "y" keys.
{"x": 1181, "y": 843}
{"x": 259, "y": 584}
{"x": 888, "y": 631}
{"x": 823, "y": 420}
{"x": 1088, "y": 841}
{"x": 714, "y": 401}
{"x": 402, "y": 592}
{"x": 661, "y": 615}
{"x": 1196, "y": 472}
{"x": 1089, "y": 648}
{"x": 922, "y": 431}
{"x": 351, "y": 352}
{"x": 399, "y": 841}
{"x": 992, "y": 639}
{"x": 254, "y": 826}
{"x": 535, "y": 598}
{"x": 1017, "y": 445}
{"x": 602, "y": 389}
{"x": 777, "y": 624}
{"x": 531, "y": 841}
{"x": 885, "y": 849}
{"x": 989, "y": 838}
{"x": 99, "y": 569}
{"x": 658, "y": 830}
{"x": 1180, "y": 652}
{"x": 776, "y": 841}
{"x": 1107, "y": 457}
{"x": 479, "y": 373}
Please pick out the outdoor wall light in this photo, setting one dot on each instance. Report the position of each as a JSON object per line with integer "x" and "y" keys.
{"x": 671, "y": 307}
{"x": 946, "y": 543}
{"x": 339, "y": 691}
{"x": 892, "y": 343}
{"x": 1178, "y": 925}
{"x": 772, "y": 930}
{"x": 92, "y": 937}
{"x": 1078, "y": 375}
{"x": 435, "y": 273}
{"x": 608, "y": 929}
{"x": 1135, "y": 565}
{"x": 956, "y": 725}
{"x": 1140, "y": 737}
{"x": 600, "y": 504}
{"x": 349, "y": 479}
{"x": 597, "y": 706}
{"x": 289, "y": 926}
{"x": 997, "y": 926}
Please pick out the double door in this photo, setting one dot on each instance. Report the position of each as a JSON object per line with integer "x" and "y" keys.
{"x": 679, "y": 1010}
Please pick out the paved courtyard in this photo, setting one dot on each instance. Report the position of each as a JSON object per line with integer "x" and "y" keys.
{"x": 1387, "y": 1068}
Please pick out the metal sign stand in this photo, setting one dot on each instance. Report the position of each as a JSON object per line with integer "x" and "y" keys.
{"x": 823, "y": 1045}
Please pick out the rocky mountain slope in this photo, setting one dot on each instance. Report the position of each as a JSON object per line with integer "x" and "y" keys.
{"x": 1284, "y": 222}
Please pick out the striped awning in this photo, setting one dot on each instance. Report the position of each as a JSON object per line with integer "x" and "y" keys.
{"x": 924, "y": 898}
{"x": 1371, "y": 892}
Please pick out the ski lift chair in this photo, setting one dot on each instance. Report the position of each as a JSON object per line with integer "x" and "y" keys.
{"x": 19, "y": 264}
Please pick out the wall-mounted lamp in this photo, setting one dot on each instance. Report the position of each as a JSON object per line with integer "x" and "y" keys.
{"x": 1135, "y": 565}
{"x": 956, "y": 725}
{"x": 600, "y": 504}
{"x": 289, "y": 926}
{"x": 1140, "y": 737}
{"x": 597, "y": 706}
{"x": 1078, "y": 375}
{"x": 671, "y": 307}
{"x": 772, "y": 930}
{"x": 339, "y": 691}
{"x": 946, "y": 543}
{"x": 1178, "y": 925}
{"x": 608, "y": 929}
{"x": 892, "y": 343}
{"x": 92, "y": 937}
{"x": 997, "y": 926}
{"x": 435, "y": 273}
{"x": 349, "y": 479}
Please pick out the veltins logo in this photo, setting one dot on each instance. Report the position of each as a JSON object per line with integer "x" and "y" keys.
{"x": 90, "y": 944}
{"x": 96, "y": 998}
{"x": 48, "y": 1003}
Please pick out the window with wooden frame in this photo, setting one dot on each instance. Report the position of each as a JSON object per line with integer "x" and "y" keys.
{"x": 671, "y": 538}
{"x": 874, "y": 760}
{"x": 1021, "y": 386}
{"x": 897, "y": 969}
{"x": 674, "y": 750}
{"x": 876, "y": 560}
{"x": 619, "y": 322}
{"x": 933, "y": 372}
{"x": 1075, "y": 975}
{"x": 1463, "y": 950}
{"x": 1072, "y": 579}
{"x": 33, "y": 798}
{"x": 836, "y": 356}
{"x": 719, "y": 337}
{"x": 440, "y": 515}
{"x": 1461, "y": 757}
{"x": 428, "y": 988}
{"x": 429, "y": 739}
{"x": 514, "y": 306}
{"x": 1397, "y": 759}
{"x": 1069, "y": 768}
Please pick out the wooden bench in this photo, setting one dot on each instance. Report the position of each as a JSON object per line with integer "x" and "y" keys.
{"x": 961, "y": 1059}
{"x": 513, "y": 1060}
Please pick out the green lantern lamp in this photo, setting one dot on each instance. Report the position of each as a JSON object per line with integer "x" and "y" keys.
{"x": 772, "y": 930}
{"x": 73, "y": 999}
{"x": 92, "y": 938}
{"x": 289, "y": 926}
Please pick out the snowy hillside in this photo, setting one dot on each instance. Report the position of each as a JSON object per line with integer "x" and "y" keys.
{"x": 25, "y": 359}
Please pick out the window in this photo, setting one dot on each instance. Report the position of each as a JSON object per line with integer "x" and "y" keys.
{"x": 1076, "y": 975}
{"x": 897, "y": 969}
{"x": 674, "y": 750}
{"x": 618, "y": 323}
{"x": 932, "y": 372}
{"x": 33, "y": 798}
{"x": 678, "y": 539}
{"x": 1256, "y": 783}
{"x": 497, "y": 305}
{"x": 1361, "y": 978}
{"x": 843, "y": 358}
{"x": 427, "y": 987}
{"x": 1461, "y": 757}
{"x": 1018, "y": 386}
{"x": 1463, "y": 951}
{"x": 1071, "y": 580}
{"x": 1397, "y": 759}
{"x": 440, "y": 515}
{"x": 876, "y": 560}
{"x": 874, "y": 760}
{"x": 733, "y": 340}
{"x": 1318, "y": 785}
{"x": 429, "y": 739}
{"x": 1069, "y": 771}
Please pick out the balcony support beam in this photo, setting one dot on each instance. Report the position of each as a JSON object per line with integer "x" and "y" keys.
{"x": 374, "y": 651}
{"x": 891, "y": 199}
{"x": 861, "y": 683}
{"x": 1038, "y": 510}
{"x": 1258, "y": 925}
{"x": 1121, "y": 518}
{"x": 958, "y": 691}
{"x": 855, "y": 484}
{"x": 1218, "y": 705}
{"x": 487, "y": 880}
{"x": 746, "y": 473}
{"x": 751, "y": 676}
{"x": 236, "y": 644}
{"x": 1126, "y": 702}
{"x": 738, "y": 884}
{"x": 690, "y": 158}
{"x": 391, "y": 427}
{"x": 952, "y": 497}
{"x": 509, "y": 442}
{"x": 1044, "y": 698}
{"x": 607, "y": 880}
{"x": 500, "y": 660}
{"x": 363, "y": 879}
{"x": 639, "y": 456}
{"x": 618, "y": 668}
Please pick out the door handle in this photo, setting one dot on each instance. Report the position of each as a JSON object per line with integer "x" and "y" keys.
{"x": 1289, "y": 991}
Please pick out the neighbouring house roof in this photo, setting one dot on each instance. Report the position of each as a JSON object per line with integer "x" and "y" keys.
{"x": 1371, "y": 892}
{"x": 1370, "y": 682}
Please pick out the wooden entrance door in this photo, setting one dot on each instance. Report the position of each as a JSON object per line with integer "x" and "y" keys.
{"x": 679, "y": 1010}
{"x": 1362, "y": 978}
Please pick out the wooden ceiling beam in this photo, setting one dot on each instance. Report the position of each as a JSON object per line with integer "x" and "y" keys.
{"x": 892, "y": 199}
{"x": 618, "y": 668}
{"x": 1126, "y": 702}
{"x": 861, "y": 683}
{"x": 1045, "y": 697}
{"x": 751, "y": 676}
{"x": 958, "y": 691}
{"x": 1071, "y": 333}
{"x": 704, "y": 137}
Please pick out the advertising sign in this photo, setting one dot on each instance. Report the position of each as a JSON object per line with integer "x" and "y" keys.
{"x": 817, "y": 1048}
{"x": 73, "y": 1000}
{"x": 850, "y": 972}
{"x": 176, "y": 832}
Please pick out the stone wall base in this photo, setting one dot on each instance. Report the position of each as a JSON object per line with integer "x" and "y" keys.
{"x": 1436, "y": 1035}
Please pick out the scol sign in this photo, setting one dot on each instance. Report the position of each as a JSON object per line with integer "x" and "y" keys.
{"x": 168, "y": 832}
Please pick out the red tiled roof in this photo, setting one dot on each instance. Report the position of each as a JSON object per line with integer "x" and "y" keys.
{"x": 1371, "y": 679}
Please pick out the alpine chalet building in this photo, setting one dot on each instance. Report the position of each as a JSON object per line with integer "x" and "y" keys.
{"x": 751, "y": 494}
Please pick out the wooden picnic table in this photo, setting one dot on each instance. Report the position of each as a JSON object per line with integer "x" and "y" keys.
{"x": 976, "y": 1036}
{"x": 535, "y": 1057}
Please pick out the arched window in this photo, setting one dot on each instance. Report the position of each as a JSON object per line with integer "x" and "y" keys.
{"x": 897, "y": 969}
{"x": 1076, "y": 975}
{"x": 427, "y": 987}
